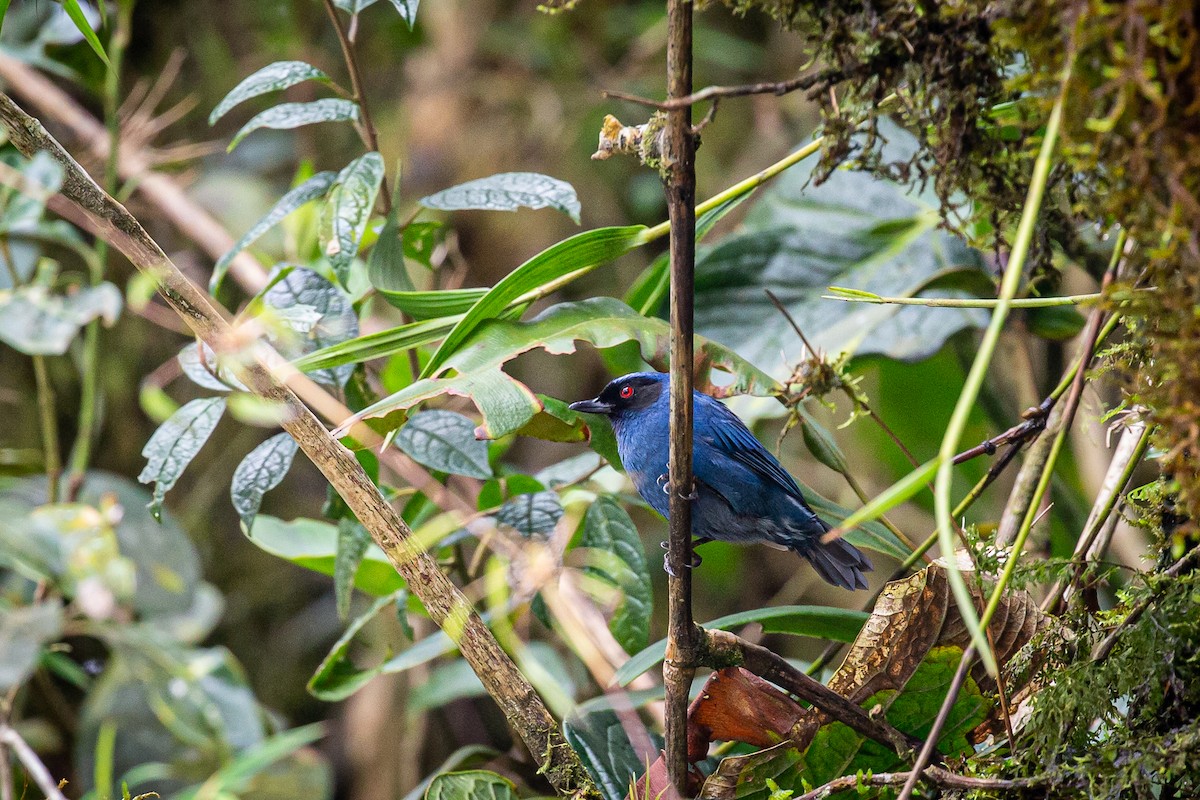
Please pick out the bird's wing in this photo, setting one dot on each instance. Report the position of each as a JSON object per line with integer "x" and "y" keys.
{"x": 730, "y": 435}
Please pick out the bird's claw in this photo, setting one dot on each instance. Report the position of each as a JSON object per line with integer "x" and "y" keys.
{"x": 696, "y": 560}
{"x": 664, "y": 483}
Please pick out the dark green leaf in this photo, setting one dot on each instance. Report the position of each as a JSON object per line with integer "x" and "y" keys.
{"x": 352, "y": 543}
{"x": 533, "y": 514}
{"x": 408, "y": 11}
{"x": 508, "y": 191}
{"x": 313, "y": 545}
{"x": 270, "y": 78}
{"x": 23, "y": 633}
{"x": 348, "y": 210}
{"x": 295, "y": 115}
{"x": 820, "y": 442}
{"x": 445, "y": 441}
{"x": 311, "y": 189}
{"x": 835, "y": 624}
{"x": 175, "y": 444}
{"x": 421, "y": 239}
{"x": 555, "y": 423}
{"x": 337, "y": 678}
{"x": 603, "y": 745}
{"x": 870, "y": 535}
{"x": 1057, "y": 323}
{"x": 260, "y": 471}
{"x": 336, "y": 321}
{"x": 476, "y": 784}
{"x": 507, "y": 405}
{"x": 37, "y": 322}
{"x": 579, "y": 252}
{"x": 608, "y": 529}
{"x": 386, "y": 269}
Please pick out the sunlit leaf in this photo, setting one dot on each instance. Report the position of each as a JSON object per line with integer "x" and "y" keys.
{"x": 533, "y": 514}
{"x": 295, "y": 115}
{"x": 77, "y": 15}
{"x": 313, "y": 545}
{"x": 378, "y": 345}
{"x": 507, "y": 405}
{"x": 431, "y": 304}
{"x": 270, "y": 78}
{"x": 260, "y": 471}
{"x": 175, "y": 444}
{"x": 508, "y": 191}
{"x": 311, "y": 189}
{"x": 445, "y": 441}
{"x": 335, "y": 320}
{"x": 607, "y": 528}
{"x": 348, "y": 209}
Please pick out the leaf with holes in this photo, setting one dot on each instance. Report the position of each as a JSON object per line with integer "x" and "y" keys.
{"x": 271, "y": 78}
{"x": 260, "y": 471}
{"x": 347, "y": 211}
{"x": 294, "y": 115}
{"x": 533, "y": 514}
{"x": 310, "y": 190}
{"x": 445, "y": 441}
{"x": 608, "y": 529}
{"x": 175, "y": 444}
{"x": 507, "y": 405}
{"x": 508, "y": 191}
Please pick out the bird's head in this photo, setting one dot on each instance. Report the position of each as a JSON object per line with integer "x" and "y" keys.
{"x": 625, "y": 395}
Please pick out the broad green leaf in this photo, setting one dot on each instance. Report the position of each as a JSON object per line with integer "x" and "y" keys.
{"x": 870, "y": 534}
{"x": 601, "y": 740}
{"x": 852, "y": 231}
{"x": 335, "y": 320}
{"x": 533, "y": 515}
{"x": 580, "y": 252}
{"x": 348, "y": 210}
{"x": 260, "y": 471}
{"x": 476, "y": 784}
{"x": 820, "y": 442}
{"x": 311, "y": 189}
{"x": 270, "y": 78}
{"x": 378, "y": 345}
{"x": 313, "y": 545}
{"x": 294, "y": 115}
{"x": 508, "y": 191}
{"x": 23, "y": 211}
{"x": 352, "y": 543}
{"x": 1057, "y": 323}
{"x": 23, "y": 633}
{"x": 445, "y": 441}
{"x": 77, "y": 15}
{"x": 175, "y": 444}
{"x": 507, "y": 405}
{"x": 431, "y": 304}
{"x": 819, "y": 622}
{"x": 36, "y": 321}
{"x": 555, "y": 423}
{"x": 386, "y": 269}
{"x": 408, "y": 11}
{"x": 235, "y": 778}
{"x": 337, "y": 678}
{"x": 607, "y": 528}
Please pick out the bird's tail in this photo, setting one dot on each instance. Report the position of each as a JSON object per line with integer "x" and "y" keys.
{"x": 839, "y": 563}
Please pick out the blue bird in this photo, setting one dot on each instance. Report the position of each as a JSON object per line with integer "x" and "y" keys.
{"x": 742, "y": 493}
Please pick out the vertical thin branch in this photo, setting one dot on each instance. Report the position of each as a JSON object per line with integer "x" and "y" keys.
{"x": 682, "y": 639}
{"x": 49, "y": 422}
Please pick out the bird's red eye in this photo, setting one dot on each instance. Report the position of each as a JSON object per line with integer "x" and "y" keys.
{"x": 626, "y": 392}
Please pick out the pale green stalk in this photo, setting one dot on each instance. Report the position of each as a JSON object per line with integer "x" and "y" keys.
{"x": 855, "y": 296}
{"x": 974, "y": 382}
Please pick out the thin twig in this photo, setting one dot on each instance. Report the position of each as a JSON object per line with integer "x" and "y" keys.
{"x": 778, "y": 88}
{"x": 33, "y": 765}
{"x": 1189, "y": 560}
{"x": 935, "y": 775}
{"x": 960, "y": 677}
{"x": 679, "y": 666}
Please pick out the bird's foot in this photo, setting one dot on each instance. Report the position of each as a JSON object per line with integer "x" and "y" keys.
{"x": 664, "y": 483}
{"x": 696, "y": 559}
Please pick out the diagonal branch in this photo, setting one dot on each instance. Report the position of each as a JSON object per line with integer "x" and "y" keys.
{"x": 445, "y": 603}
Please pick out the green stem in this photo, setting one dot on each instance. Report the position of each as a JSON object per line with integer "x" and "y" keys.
{"x": 89, "y": 366}
{"x": 49, "y": 423}
{"x": 970, "y": 391}
{"x": 855, "y": 296}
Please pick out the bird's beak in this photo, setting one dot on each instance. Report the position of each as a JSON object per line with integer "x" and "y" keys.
{"x": 591, "y": 407}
